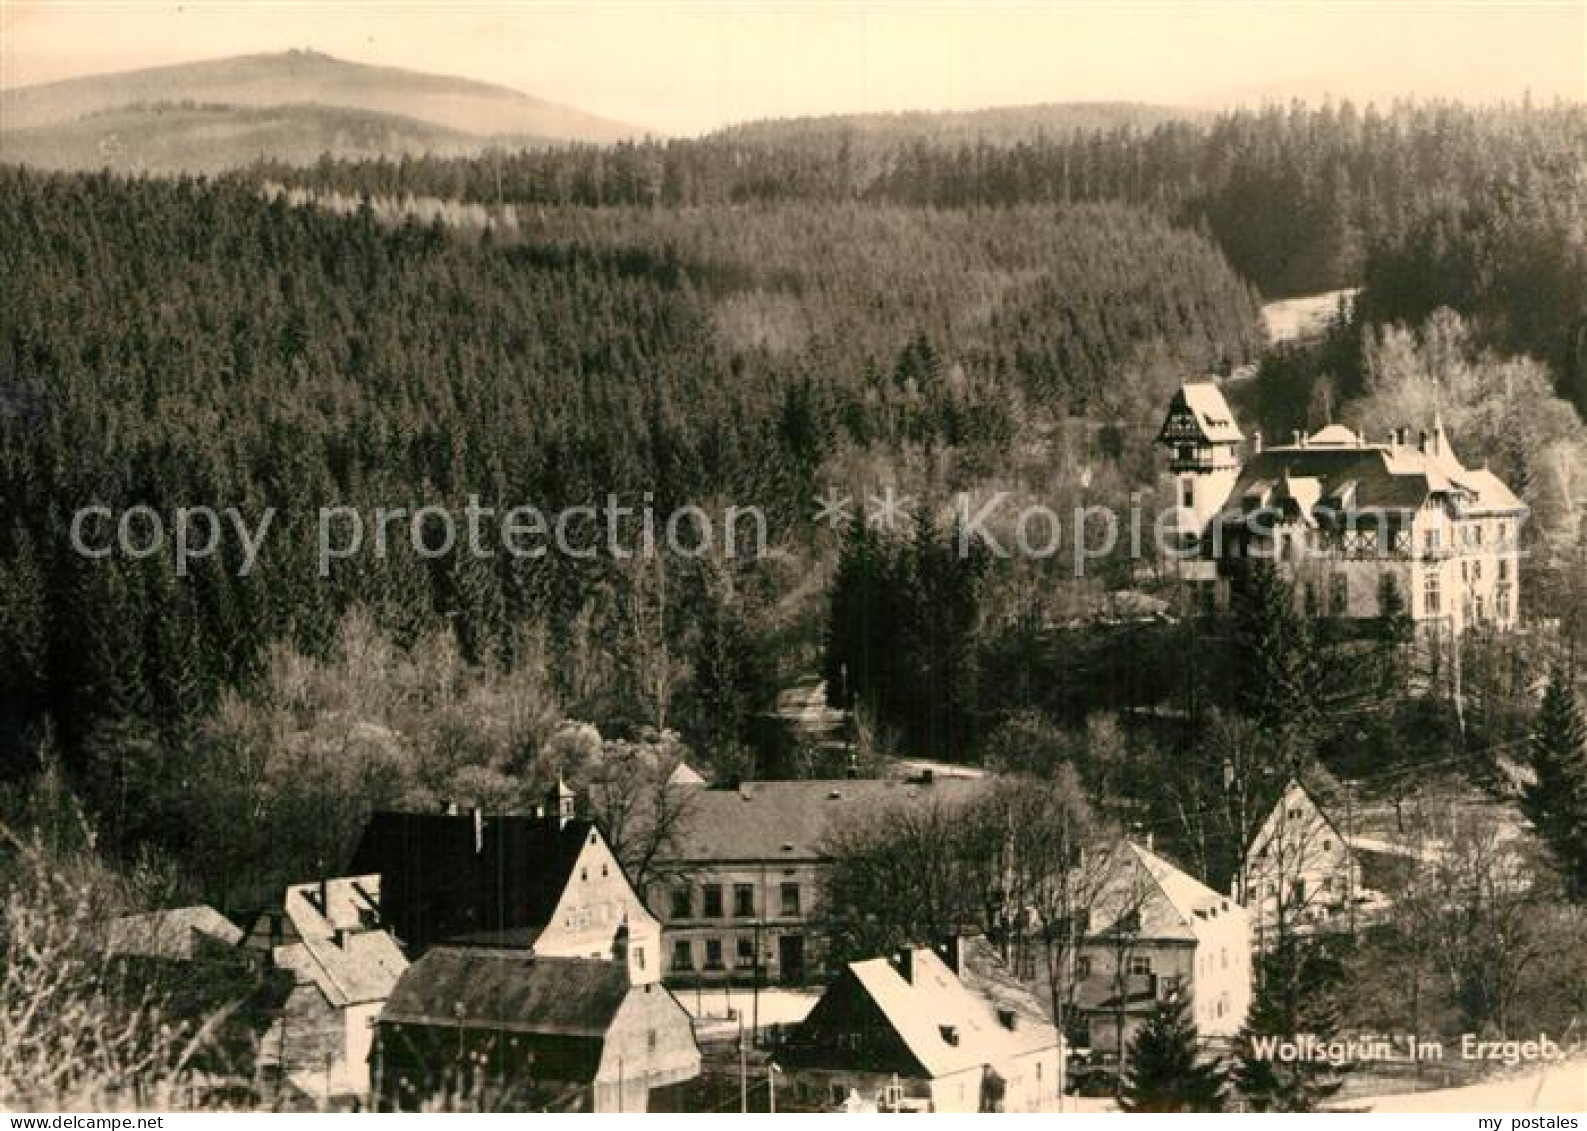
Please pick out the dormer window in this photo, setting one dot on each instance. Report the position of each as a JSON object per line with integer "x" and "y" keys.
{"x": 950, "y": 1034}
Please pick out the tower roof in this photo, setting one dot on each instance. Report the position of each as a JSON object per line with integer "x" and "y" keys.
{"x": 1204, "y": 404}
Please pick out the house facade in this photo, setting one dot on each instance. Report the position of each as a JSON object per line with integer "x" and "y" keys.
{"x": 1339, "y": 514}
{"x": 1153, "y": 931}
{"x": 547, "y": 883}
{"x": 1300, "y": 873}
{"x": 741, "y": 882}
{"x": 502, "y": 1029}
{"x": 907, "y": 1033}
{"x": 344, "y": 965}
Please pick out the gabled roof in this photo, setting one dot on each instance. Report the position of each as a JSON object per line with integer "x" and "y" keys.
{"x": 1352, "y": 476}
{"x": 176, "y": 933}
{"x": 1169, "y": 902}
{"x": 452, "y": 987}
{"x": 792, "y": 820}
{"x": 932, "y": 1003}
{"x": 1294, "y": 792}
{"x": 685, "y": 774}
{"x": 984, "y": 973}
{"x": 444, "y": 875}
{"x": 352, "y": 903}
{"x": 362, "y": 967}
{"x": 1204, "y": 401}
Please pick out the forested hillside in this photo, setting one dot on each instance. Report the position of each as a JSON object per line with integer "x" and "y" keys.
{"x": 172, "y": 343}
{"x": 1479, "y": 209}
{"x": 748, "y": 319}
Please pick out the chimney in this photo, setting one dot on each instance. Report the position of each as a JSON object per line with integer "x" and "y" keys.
{"x": 449, "y": 808}
{"x": 1256, "y": 443}
{"x": 951, "y": 951}
{"x": 1294, "y": 438}
{"x": 479, "y": 829}
{"x": 905, "y": 964}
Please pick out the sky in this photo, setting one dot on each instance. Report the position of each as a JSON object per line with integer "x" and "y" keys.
{"x": 683, "y": 67}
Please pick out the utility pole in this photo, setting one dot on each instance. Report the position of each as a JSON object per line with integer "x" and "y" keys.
{"x": 755, "y": 1000}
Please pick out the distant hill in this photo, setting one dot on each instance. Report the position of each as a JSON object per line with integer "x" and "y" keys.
{"x": 290, "y": 107}
{"x": 999, "y": 125}
{"x": 187, "y": 138}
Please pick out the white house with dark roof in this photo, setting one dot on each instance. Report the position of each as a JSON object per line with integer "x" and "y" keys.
{"x": 1154, "y": 930}
{"x": 547, "y": 882}
{"x": 908, "y": 1033}
{"x": 344, "y": 965}
{"x": 1339, "y": 514}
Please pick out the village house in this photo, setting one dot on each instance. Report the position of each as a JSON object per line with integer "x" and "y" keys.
{"x": 343, "y": 965}
{"x": 174, "y": 934}
{"x": 929, "y": 1032}
{"x": 1340, "y": 514}
{"x": 484, "y": 1028}
{"x": 742, "y": 875}
{"x": 1153, "y": 931}
{"x": 546, "y": 882}
{"x": 1299, "y": 873}
{"x": 1306, "y": 873}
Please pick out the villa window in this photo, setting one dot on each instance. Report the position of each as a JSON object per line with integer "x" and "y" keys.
{"x": 1430, "y": 595}
{"x": 713, "y": 900}
{"x": 790, "y": 899}
{"x": 1140, "y": 964}
{"x": 682, "y": 902}
{"x": 713, "y": 954}
{"x": 744, "y": 901}
{"x": 682, "y": 955}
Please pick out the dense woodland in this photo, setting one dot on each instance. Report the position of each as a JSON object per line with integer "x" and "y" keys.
{"x": 1480, "y": 210}
{"x": 749, "y": 318}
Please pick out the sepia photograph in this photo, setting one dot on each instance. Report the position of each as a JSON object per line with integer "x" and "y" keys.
{"x": 793, "y": 556}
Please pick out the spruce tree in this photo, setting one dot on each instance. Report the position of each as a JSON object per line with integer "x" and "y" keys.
{"x": 1275, "y": 658}
{"x": 1556, "y": 801}
{"x": 1294, "y": 999}
{"x": 1164, "y": 1073}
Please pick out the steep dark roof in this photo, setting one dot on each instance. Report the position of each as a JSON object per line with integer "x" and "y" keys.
{"x": 791, "y": 820}
{"x": 1375, "y": 484}
{"x": 452, "y": 987}
{"x": 445, "y": 875}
